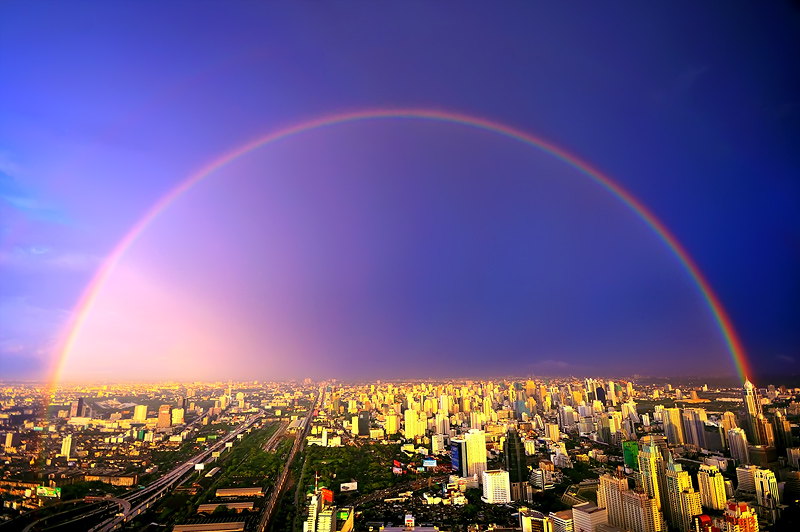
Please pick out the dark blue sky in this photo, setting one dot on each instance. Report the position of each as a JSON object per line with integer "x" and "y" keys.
{"x": 399, "y": 247}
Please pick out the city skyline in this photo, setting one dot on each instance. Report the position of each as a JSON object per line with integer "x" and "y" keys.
{"x": 397, "y": 246}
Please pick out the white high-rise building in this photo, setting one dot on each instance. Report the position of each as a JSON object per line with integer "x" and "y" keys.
{"x": 476, "y": 452}
{"x": 66, "y": 445}
{"x": 609, "y": 496}
{"x": 712, "y": 487}
{"x": 177, "y": 416}
{"x": 587, "y": 516}
{"x": 496, "y": 487}
{"x": 140, "y": 413}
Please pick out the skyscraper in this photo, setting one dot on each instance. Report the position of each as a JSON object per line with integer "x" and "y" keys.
{"x": 673, "y": 428}
{"x": 694, "y": 420}
{"x": 514, "y": 453}
{"x": 684, "y": 503}
{"x": 476, "y": 452}
{"x": 458, "y": 456}
{"x": 651, "y": 475}
{"x": 641, "y": 512}
{"x": 609, "y": 496}
{"x": 752, "y": 404}
{"x": 712, "y": 487}
{"x": 737, "y": 442}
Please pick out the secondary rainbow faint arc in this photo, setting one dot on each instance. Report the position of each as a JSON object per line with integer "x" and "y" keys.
{"x": 90, "y": 294}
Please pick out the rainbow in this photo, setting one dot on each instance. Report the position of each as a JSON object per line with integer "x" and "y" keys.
{"x": 88, "y": 297}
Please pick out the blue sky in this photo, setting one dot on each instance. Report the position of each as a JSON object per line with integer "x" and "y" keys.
{"x": 496, "y": 260}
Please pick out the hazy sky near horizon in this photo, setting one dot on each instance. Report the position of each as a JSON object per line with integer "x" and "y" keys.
{"x": 397, "y": 248}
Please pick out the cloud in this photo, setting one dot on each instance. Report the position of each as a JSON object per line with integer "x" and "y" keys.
{"x": 15, "y": 196}
{"x": 785, "y": 358}
{"x": 44, "y": 258}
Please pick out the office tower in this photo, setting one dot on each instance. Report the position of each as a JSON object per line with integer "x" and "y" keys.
{"x": 533, "y": 521}
{"x": 737, "y": 442}
{"x": 673, "y": 428}
{"x": 752, "y": 404}
{"x": 712, "y": 487}
{"x": 767, "y": 492}
{"x": 783, "y": 432}
{"x": 458, "y": 456}
{"x": 476, "y": 452}
{"x": 177, "y": 416}
{"x": 496, "y": 487}
{"x": 363, "y": 423}
{"x": 587, "y": 516}
{"x": 514, "y": 453}
{"x": 694, "y": 420}
{"x": 76, "y": 408}
{"x": 740, "y": 518}
{"x": 609, "y": 496}
{"x": 140, "y": 413}
{"x": 600, "y": 394}
{"x": 553, "y": 431}
{"x": 651, "y": 475}
{"x": 746, "y": 478}
{"x": 729, "y": 421}
{"x": 684, "y": 503}
{"x": 641, "y": 512}
{"x": 763, "y": 431}
{"x": 562, "y": 521}
{"x": 164, "y": 417}
{"x": 66, "y": 446}
{"x": 566, "y": 418}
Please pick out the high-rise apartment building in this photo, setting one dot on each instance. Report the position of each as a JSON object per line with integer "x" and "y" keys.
{"x": 609, "y": 496}
{"x": 77, "y": 408}
{"x": 641, "y": 513}
{"x": 650, "y": 477}
{"x": 562, "y": 521}
{"x": 711, "y": 485}
{"x": 684, "y": 502}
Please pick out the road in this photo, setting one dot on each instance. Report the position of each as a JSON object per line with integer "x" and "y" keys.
{"x": 272, "y": 443}
{"x": 140, "y": 501}
{"x": 299, "y": 441}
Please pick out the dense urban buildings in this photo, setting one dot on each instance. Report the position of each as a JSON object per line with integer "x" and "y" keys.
{"x": 651, "y": 463}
